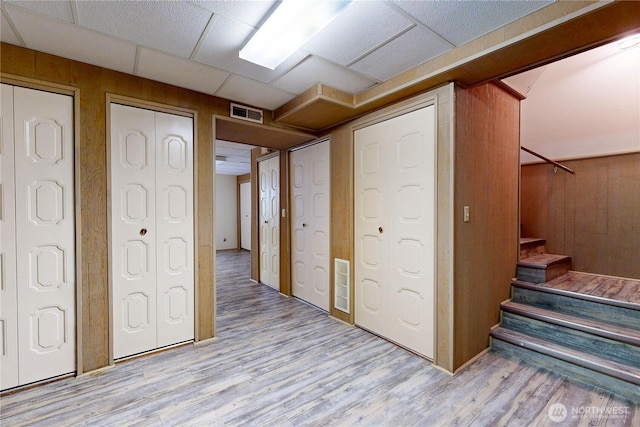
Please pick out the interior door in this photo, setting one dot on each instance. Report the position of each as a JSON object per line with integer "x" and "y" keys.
{"x": 269, "y": 184}
{"x": 395, "y": 229}
{"x": 8, "y": 281}
{"x": 310, "y": 192}
{"x": 152, "y": 247}
{"x": 174, "y": 233}
{"x": 40, "y": 236}
{"x": 133, "y": 230}
{"x": 245, "y": 215}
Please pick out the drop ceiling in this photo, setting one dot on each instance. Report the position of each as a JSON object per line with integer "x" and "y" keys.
{"x": 195, "y": 44}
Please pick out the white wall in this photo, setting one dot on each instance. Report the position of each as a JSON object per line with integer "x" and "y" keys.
{"x": 585, "y": 105}
{"x": 226, "y": 212}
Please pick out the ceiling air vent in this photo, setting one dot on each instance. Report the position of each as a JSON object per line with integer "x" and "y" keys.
{"x": 246, "y": 113}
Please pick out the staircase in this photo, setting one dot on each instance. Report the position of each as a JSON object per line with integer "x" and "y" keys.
{"x": 569, "y": 323}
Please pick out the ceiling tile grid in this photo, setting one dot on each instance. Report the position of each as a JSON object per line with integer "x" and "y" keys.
{"x": 314, "y": 69}
{"x": 169, "y": 69}
{"x": 235, "y": 158}
{"x": 460, "y": 22}
{"x": 244, "y": 90}
{"x": 70, "y": 41}
{"x": 195, "y": 44}
{"x": 173, "y": 27}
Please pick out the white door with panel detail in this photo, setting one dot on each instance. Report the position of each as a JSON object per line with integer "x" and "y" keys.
{"x": 395, "y": 229}
{"x": 37, "y": 223}
{"x": 310, "y": 193}
{"x": 269, "y": 217}
{"x": 152, "y": 259}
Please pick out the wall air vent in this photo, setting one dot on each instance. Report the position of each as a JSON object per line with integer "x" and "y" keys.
{"x": 342, "y": 300}
{"x": 246, "y": 113}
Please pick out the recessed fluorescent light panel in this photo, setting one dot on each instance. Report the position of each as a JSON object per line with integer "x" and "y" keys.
{"x": 289, "y": 27}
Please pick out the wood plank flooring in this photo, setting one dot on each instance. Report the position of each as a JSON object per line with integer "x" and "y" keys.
{"x": 280, "y": 362}
{"x": 609, "y": 287}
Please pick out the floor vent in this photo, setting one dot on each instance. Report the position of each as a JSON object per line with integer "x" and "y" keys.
{"x": 342, "y": 296}
{"x": 246, "y": 113}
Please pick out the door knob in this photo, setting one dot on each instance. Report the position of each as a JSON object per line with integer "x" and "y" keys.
{"x": 380, "y": 230}
{"x": 304, "y": 225}
{"x": 143, "y": 231}
{"x": 266, "y": 222}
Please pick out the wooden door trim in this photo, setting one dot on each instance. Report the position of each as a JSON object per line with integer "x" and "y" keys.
{"x": 112, "y": 98}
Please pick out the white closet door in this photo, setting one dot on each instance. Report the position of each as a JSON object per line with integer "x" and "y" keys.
{"x": 395, "y": 229}
{"x": 269, "y": 176}
{"x": 133, "y": 230}
{"x": 8, "y": 282}
{"x": 245, "y": 215}
{"x": 152, "y": 229}
{"x": 310, "y": 192}
{"x": 45, "y": 234}
{"x": 174, "y": 224}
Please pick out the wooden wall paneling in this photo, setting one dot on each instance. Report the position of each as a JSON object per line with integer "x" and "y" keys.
{"x": 341, "y": 240}
{"x": 285, "y": 226}
{"x": 205, "y": 274}
{"x": 486, "y": 179}
{"x": 597, "y": 221}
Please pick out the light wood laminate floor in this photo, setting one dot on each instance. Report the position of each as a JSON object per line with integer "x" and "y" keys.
{"x": 280, "y": 362}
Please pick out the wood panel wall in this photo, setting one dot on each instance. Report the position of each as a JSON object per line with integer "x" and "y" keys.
{"x": 94, "y": 83}
{"x": 592, "y": 216}
{"x": 487, "y": 149}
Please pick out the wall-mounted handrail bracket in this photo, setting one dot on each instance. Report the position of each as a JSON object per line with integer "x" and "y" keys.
{"x": 555, "y": 164}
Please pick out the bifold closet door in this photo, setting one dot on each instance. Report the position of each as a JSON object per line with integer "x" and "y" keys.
{"x": 310, "y": 195}
{"x": 269, "y": 217}
{"x": 152, "y": 238}
{"x": 37, "y": 256}
{"x": 395, "y": 229}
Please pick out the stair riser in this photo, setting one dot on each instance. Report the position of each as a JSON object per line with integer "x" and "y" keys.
{"x": 540, "y": 275}
{"x": 594, "y": 310}
{"x": 622, "y": 388}
{"x": 581, "y": 341}
{"x": 529, "y": 250}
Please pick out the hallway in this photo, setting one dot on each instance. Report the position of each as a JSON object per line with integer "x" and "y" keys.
{"x": 280, "y": 362}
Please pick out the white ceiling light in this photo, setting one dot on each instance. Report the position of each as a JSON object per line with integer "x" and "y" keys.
{"x": 629, "y": 42}
{"x": 289, "y": 27}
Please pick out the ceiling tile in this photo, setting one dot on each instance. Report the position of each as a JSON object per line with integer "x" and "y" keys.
{"x": 413, "y": 48}
{"x": 6, "y": 32}
{"x": 164, "y": 68}
{"x": 223, "y": 42}
{"x": 70, "y": 41}
{"x": 314, "y": 69}
{"x": 250, "y": 12}
{"x": 254, "y": 93}
{"x": 463, "y": 21}
{"x": 60, "y": 9}
{"x": 168, "y": 26}
{"x": 363, "y": 26}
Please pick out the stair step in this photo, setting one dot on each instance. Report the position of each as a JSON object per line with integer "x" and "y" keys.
{"x": 530, "y": 246}
{"x": 579, "y": 323}
{"x": 611, "y": 375}
{"x": 542, "y": 268}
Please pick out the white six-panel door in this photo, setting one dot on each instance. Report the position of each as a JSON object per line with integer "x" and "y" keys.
{"x": 245, "y": 215}
{"x": 38, "y": 237}
{"x": 395, "y": 229}
{"x": 269, "y": 217}
{"x": 310, "y": 195}
{"x": 152, "y": 241}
